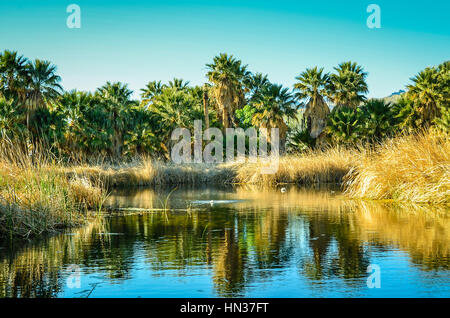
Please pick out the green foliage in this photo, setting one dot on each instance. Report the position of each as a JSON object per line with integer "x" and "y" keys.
{"x": 245, "y": 116}
{"x": 51, "y": 127}
{"x": 311, "y": 83}
{"x": 299, "y": 140}
{"x": 110, "y": 123}
{"x": 378, "y": 121}
{"x": 347, "y": 87}
{"x": 443, "y": 122}
{"x": 345, "y": 125}
{"x": 430, "y": 92}
{"x": 10, "y": 119}
{"x": 405, "y": 116}
{"x": 272, "y": 107}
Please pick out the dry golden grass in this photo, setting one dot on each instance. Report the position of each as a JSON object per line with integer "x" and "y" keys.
{"x": 412, "y": 168}
{"x": 313, "y": 167}
{"x": 144, "y": 172}
{"x": 35, "y": 198}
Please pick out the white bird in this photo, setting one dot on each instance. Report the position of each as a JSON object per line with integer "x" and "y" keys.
{"x": 283, "y": 190}
{"x": 211, "y": 202}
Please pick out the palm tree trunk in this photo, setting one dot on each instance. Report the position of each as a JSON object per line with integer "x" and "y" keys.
{"x": 205, "y": 107}
{"x": 224, "y": 117}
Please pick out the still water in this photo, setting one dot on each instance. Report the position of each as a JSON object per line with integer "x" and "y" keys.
{"x": 238, "y": 242}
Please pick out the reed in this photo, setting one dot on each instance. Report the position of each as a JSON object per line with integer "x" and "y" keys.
{"x": 413, "y": 168}
{"x": 36, "y": 199}
{"x": 313, "y": 167}
{"x": 145, "y": 172}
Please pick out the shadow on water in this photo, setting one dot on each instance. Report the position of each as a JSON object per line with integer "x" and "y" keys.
{"x": 251, "y": 242}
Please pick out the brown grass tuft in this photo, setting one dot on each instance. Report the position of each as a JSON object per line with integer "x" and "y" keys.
{"x": 412, "y": 168}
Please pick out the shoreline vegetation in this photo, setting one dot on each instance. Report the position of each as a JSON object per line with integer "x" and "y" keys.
{"x": 35, "y": 199}
{"x": 329, "y": 133}
{"x": 414, "y": 168}
{"x": 46, "y": 197}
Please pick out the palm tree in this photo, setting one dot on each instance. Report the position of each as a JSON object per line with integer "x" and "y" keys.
{"x": 227, "y": 75}
{"x": 272, "y": 107}
{"x": 378, "y": 119}
{"x": 171, "y": 109}
{"x": 174, "y": 107}
{"x": 427, "y": 92}
{"x": 312, "y": 85}
{"x": 345, "y": 125}
{"x": 42, "y": 86}
{"x": 254, "y": 84}
{"x": 404, "y": 114}
{"x": 116, "y": 99}
{"x": 13, "y": 75}
{"x": 73, "y": 105}
{"x": 151, "y": 90}
{"x": 347, "y": 87}
{"x": 9, "y": 118}
{"x": 178, "y": 83}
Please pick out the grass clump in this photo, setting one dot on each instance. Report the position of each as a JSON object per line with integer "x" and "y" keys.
{"x": 146, "y": 172}
{"x": 412, "y": 168}
{"x": 312, "y": 167}
{"x": 36, "y": 199}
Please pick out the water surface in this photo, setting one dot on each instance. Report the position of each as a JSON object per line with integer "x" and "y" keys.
{"x": 238, "y": 242}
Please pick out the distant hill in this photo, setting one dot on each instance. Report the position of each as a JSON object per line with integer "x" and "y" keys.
{"x": 394, "y": 97}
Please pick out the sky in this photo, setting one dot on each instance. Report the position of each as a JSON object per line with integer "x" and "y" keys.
{"x": 140, "y": 41}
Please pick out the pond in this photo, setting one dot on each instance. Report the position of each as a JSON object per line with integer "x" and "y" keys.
{"x": 238, "y": 242}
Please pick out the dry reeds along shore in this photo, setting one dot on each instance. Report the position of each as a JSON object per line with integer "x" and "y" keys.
{"x": 323, "y": 166}
{"x": 39, "y": 196}
{"x": 406, "y": 168}
{"x": 412, "y": 168}
{"x": 36, "y": 199}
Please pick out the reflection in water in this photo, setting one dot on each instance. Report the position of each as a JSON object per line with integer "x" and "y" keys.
{"x": 263, "y": 243}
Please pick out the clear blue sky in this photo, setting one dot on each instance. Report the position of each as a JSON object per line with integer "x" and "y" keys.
{"x": 139, "y": 41}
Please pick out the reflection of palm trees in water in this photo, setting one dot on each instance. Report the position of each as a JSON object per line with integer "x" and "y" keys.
{"x": 241, "y": 246}
{"x": 34, "y": 270}
{"x": 320, "y": 238}
{"x": 335, "y": 250}
{"x": 256, "y": 242}
{"x": 229, "y": 269}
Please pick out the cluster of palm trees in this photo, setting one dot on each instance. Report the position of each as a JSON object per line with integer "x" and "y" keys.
{"x": 354, "y": 118}
{"x": 110, "y": 122}
{"x": 31, "y": 83}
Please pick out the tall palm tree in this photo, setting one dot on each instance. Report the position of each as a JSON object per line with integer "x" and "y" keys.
{"x": 227, "y": 75}
{"x": 347, "y": 87}
{"x": 272, "y": 107}
{"x": 42, "y": 86}
{"x": 312, "y": 85}
{"x": 116, "y": 98}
